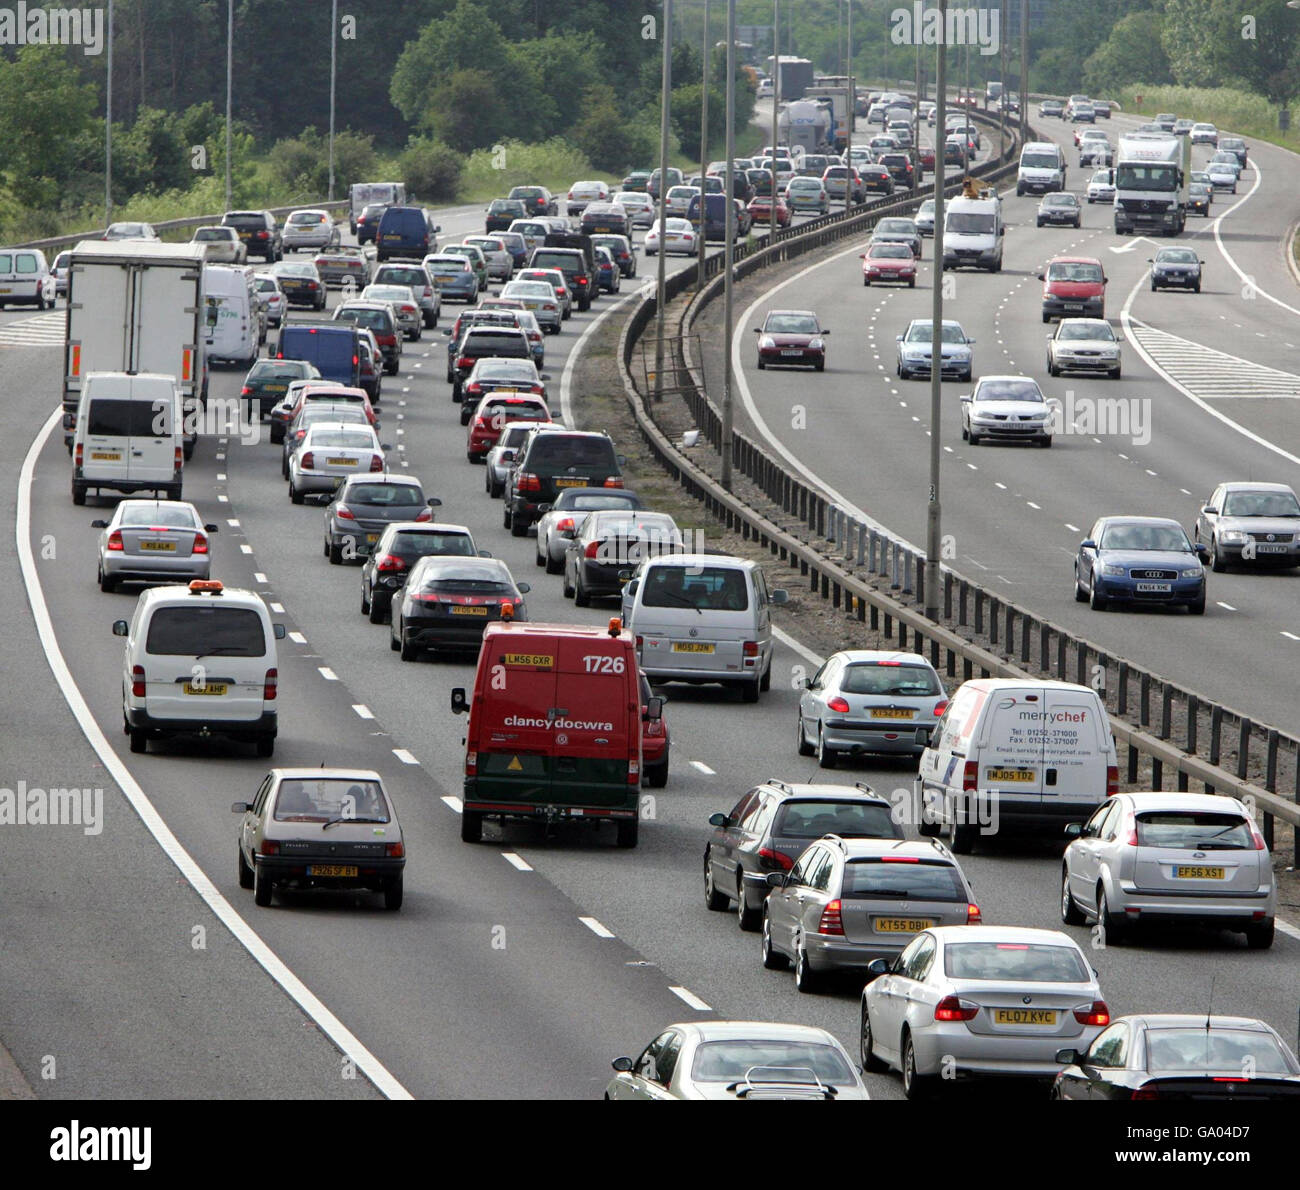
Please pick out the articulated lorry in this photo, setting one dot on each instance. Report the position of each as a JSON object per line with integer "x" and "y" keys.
{"x": 834, "y": 94}
{"x": 1152, "y": 173}
{"x": 136, "y": 307}
{"x": 804, "y": 125}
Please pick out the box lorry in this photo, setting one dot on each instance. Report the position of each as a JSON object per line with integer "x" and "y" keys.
{"x": 1152, "y": 174}
{"x": 362, "y": 194}
{"x": 136, "y": 306}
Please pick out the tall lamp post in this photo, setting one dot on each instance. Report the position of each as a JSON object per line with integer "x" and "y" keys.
{"x": 334, "y": 34}
{"x": 230, "y": 76}
{"x": 729, "y": 246}
{"x": 660, "y": 292}
{"x": 704, "y": 139}
{"x": 108, "y": 125}
{"x": 933, "y": 538}
{"x": 776, "y": 104}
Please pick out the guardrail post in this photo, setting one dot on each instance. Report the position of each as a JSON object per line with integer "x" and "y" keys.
{"x": 947, "y": 595}
{"x": 1157, "y": 774}
{"x": 1270, "y": 782}
{"x": 1144, "y": 700}
{"x": 1121, "y": 699}
{"x": 889, "y": 626}
{"x": 979, "y": 612}
{"x": 1081, "y": 663}
{"x": 1243, "y": 750}
{"x": 962, "y": 592}
{"x": 1061, "y": 642}
{"x": 967, "y": 669}
{"x": 894, "y": 582}
{"x": 862, "y": 542}
{"x": 1166, "y": 710}
{"x": 1044, "y": 647}
{"x": 1132, "y": 764}
{"x": 907, "y": 571}
{"x": 920, "y": 580}
{"x": 1026, "y": 624}
{"x": 832, "y": 523}
{"x": 875, "y": 618}
{"x": 1216, "y": 733}
{"x": 1192, "y": 723}
{"x": 994, "y": 604}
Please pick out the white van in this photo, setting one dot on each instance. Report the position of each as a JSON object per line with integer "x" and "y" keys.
{"x": 238, "y": 327}
{"x": 972, "y": 232}
{"x": 200, "y": 659}
{"x": 1042, "y": 168}
{"x": 128, "y": 435}
{"x": 26, "y": 278}
{"x": 362, "y": 194}
{"x": 703, "y": 618}
{"x": 1016, "y": 753}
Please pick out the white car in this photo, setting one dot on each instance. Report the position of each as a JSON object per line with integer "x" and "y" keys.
{"x": 1083, "y": 345}
{"x": 640, "y": 207}
{"x": 221, "y": 245}
{"x": 273, "y": 296}
{"x": 1204, "y": 134}
{"x": 679, "y": 238}
{"x": 328, "y": 453}
{"x": 1101, "y": 187}
{"x": 679, "y": 200}
{"x": 582, "y": 193}
{"x": 1224, "y": 173}
{"x": 1006, "y": 409}
{"x": 1152, "y": 859}
{"x": 406, "y": 308}
{"x": 310, "y": 229}
{"x": 979, "y": 1000}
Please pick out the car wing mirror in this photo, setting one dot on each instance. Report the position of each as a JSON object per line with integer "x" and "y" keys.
{"x": 779, "y": 596}
{"x": 100, "y": 524}
{"x": 1209, "y": 510}
{"x": 622, "y": 1065}
{"x": 1087, "y": 544}
{"x": 1202, "y": 550}
{"x": 434, "y": 502}
{"x": 240, "y": 807}
{"x": 719, "y": 819}
{"x": 120, "y": 628}
{"x": 776, "y": 880}
{"x": 1073, "y": 830}
{"x": 210, "y": 528}
{"x": 459, "y": 703}
{"x": 878, "y": 967}
{"x": 654, "y": 708}
{"x": 1069, "y": 1057}
{"x": 279, "y": 631}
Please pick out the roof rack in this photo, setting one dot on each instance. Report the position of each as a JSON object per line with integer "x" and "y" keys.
{"x": 862, "y": 785}
{"x": 783, "y": 786}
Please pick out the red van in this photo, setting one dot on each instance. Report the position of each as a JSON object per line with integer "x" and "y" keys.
{"x": 1073, "y": 287}
{"x": 555, "y": 727}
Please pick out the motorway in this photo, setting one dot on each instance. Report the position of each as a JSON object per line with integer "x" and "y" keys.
{"x": 518, "y": 968}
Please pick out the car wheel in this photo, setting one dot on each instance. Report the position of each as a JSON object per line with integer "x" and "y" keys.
{"x": 1217, "y": 563}
{"x": 1196, "y": 288}
{"x": 1197, "y": 606}
{"x": 580, "y": 596}
{"x": 1071, "y": 914}
{"x": 1096, "y": 600}
{"x": 1115, "y": 375}
{"x": 749, "y": 691}
{"x": 1114, "y": 926}
{"x": 656, "y": 775}
{"x": 263, "y": 887}
{"x": 245, "y": 872}
{"x": 1052, "y": 369}
{"x": 747, "y": 917}
{"x": 800, "y": 738}
{"x": 963, "y": 837}
{"x": 294, "y": 494}
{"x": 566, "y": 590}
{"x": 628, "y": 832}
{"x": 761, "y": 364}
{"x": 866, "y": 1044}
{"x": 471, "y": 826}
{"x": 106, "y": 584}
{"x": 393, "y": 894}
{"x": 409, "y": 652}
{"x": 506, "y": 518}
{"x": 773, "y": 959}
{"x": 1154, "y": 287}
{"x": 975, "y": 439}
{"x": 552, "y": 566}
{"x": 375, "y": 613}
{"x": 915, "y": 1086}
{"x": 266, "y": 745}
{"x": 139, "y": 740}
{"x": 805, "y": 978}
{"x": 1080, "y": 593}
{"x": 826, "y": 757}
{"x": 1260, "y": 937}
{"x": 335, "y": 553}
{"x": 713, "y": 898}
{"x": 365, "y": 603}
{"x": 518, "y": 527}
{"x": 1047, "y": 317}
{"x": 820, "y": 365}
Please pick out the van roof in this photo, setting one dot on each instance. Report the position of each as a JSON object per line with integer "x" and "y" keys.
{"x": 566, "y": 631}
{"x": 144, "y": 249}
{"x": 702, "y": 560}
{"x": 991, "y": 684}
{"x": 179, "y": 593}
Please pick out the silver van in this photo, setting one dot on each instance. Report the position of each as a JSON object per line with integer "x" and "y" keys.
{"x": 26, "y": 279}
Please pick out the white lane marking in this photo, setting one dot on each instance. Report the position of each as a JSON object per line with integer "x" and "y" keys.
{"x": 278, "y": 608}
{"x": 244, "y": 548}
{"x": 997, "y": 484}
{"x": 798, "y": 646}
{"x": 297, "y": 638}
{"x": 516, "y": 861}
{"x": 1227, "y": 607}
{"x": 404, "y": 756}
{"x": 690, "y": 999}
{"x": 453, "y": 803}
{"x": 362, "y": 710}
{"x": 595, "y": 927}
{"x": 328, "y": 674}
{"x": 1033, "y": 505}
{"x": 223, "y": 500}
{"x": 1291, "y": 636}
{"x": 1289, "y": 930}
{"x": 258, "y": 576}
{"x": 338, "y": 1033}
{"x": 1072, "y": 528}
{"x": 233, "y": 522}
{"x": 221, "y": 477}
{"x": 704, "y": 768}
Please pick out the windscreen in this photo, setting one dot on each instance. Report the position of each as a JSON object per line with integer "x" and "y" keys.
{"x": 1145, "y": 537}
{"x": 813, "y": 819}
{"x": 790, "y": 324}
{"x": 1015, "y": 961}
{"x": 1039, "y": 161}
{"x": 1261, "y": 504}
{"x": 970, "y": 223}
{"x": 1157, "y": 178}
{"x": 1082, "y": 331}
{"x": 876, "y": 879}
{"x": 206, "y": 629}
{"x": 919, "y": 332}
{"x": 1074, "y": 271}
{"x": 1009, "y": 390}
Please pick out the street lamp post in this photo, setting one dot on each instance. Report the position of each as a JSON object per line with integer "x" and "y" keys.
{"x": 704, "y": 140}
{"x": 660, "y": 291}
{"x": 729, "y": 247}
{"x": 852, "y": 100}
{"x": 108, "y": 125}
{"x": 334, "y": 29}
{"x": 230, "y": 88}
{"x": 776, "y": 104}
{"x": 1024, "y": 70}
{"x": 933, "y": 538}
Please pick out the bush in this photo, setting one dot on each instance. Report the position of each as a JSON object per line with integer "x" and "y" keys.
{"x": 554, "y": 163}
{"x": 431, "y": 170}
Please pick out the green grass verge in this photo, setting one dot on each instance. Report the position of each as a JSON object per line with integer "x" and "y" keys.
{"x": 1237, "y": 112}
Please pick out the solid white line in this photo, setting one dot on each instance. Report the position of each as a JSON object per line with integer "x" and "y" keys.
{"x": 266, "y": 958}
{"x": 328, "y": 674}
{"x": 595, "y": 927}
{"x": 297, "y": 638}
{"x": 404, "y": 756}
{"x": 690, "y": 999}
{"x": 516, "y": 861}
{"x": 362, "y": 710}
{"x": 454, "y": 803}
{"x": 790, "y": 643}
{"x": 1289, "y": 930}
{"x": 704, "y": 768}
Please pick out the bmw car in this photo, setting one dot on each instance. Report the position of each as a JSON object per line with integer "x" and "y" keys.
{"x": 1139, "y": 559}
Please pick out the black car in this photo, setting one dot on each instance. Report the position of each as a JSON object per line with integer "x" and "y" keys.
{"x": 365, "y": 505}
{"x": 537, "y": 199}
{"x": 876, "y": 179}
{"x": 476, "y": 316}
{"x": 447, "y": 602}
{"x": 502, "y": 212}
{"x": 551, "y": 461}
{"x": 578, "y": 268}
{"x": 400, "y": 546}
{"x": 1060, "y": 207}
{"x": 620, "y": 248}
{"x": 608, "y": 545}
{"x": 268, "y": 380}
{"x": 1176, "y": 268}
{"x": 606, "y": 218}
{"x": 482, "y": 342}
{"x": 1181, "y": 1057}
{"x": 368, "y": 221}
{"x": 900, "y": 168}
{"x": 259, "y": 232}
{"x": 771, "y": 826}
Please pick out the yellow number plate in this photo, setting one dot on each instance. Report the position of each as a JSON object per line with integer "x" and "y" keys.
{"x": 160, "y": 546}
{"x": 892, "y": 712}
{"x": 903, "y": 925}
{"x": 371, "y": 538}
{"x": 469, "y": 611}
{"x": 107, "y": 455}
{"x": 342, "y": 462}
{"x": 570, "y": 483}
{"x": 690, "y": 646}
{"x": 1024, "y": 1016}
{"x": 331, "y": 870}
{"x": 533, "y": 660}
{"x": 1195, "y": 872}
{"x": 1006, "y": 775}
{"x": 207, "y": 688}
{"x": 277, "y": 388}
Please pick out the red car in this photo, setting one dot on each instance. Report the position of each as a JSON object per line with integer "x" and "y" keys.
{"x": 760, "y": 208}
{"x": 1073, "y": 287}
{"x": 494, "y": 410}
{"x": 791, "y": 337}
{"x": 927, "y": 159}
{"x": 654, "y": 742}
{"x": 889, "y": 262}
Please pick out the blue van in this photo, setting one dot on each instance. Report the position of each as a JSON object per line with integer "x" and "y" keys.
{"x": 334, "y": 348}
{"x": 407, "y": 232}
{"x": 715, "y": 216}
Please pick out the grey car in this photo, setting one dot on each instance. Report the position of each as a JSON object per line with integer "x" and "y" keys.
{"x": 321, "y": 828}
{"x": 924, "y": 218}
{"x": 849, "y": 902}
{"x": 1176, "y": 268}
{"x": 1250, "y": 524}
{"x": 400, "y": 546}
{"x": 1084, "y": 345}
{"x": 317, "y": 411}
{"x": 609, "y": 544}
{"x": 328, "y": 454}
{"x": 731, "y": 1060}
{"x": 869, "y": 700}
{"x": 421, "y": 283}
{"x": 310, "y": 229}
{"x": 771, "y": 827}
{"x": 152, "y": 541}
{"x": 454, "y": 276}
{"x": 365, "y": 505}
{"x": 538, "y": 297}
{"x": 500, "y": 260}
{"x": 556, "y": 279}
{"x": 561, "y": 520}
{"x": 898, "y": 231}
{"x": 406, "y": 309}
{"x": 915, "y": 350}
{"x": 502, "y": 456}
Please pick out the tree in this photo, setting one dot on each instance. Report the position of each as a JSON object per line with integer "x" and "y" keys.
{"x": 469, "y": 110}
{"x": 1185, "y": 35}
{"x": 684, "y": 118}
{"x": 432, "y": 170}
{"x": 607, "y": 139}
{"x": 1257, "y": 49}
{"x": 563, "y": 66}
{"x": 466, "y": 40}
{"x": 1133, "y": 53}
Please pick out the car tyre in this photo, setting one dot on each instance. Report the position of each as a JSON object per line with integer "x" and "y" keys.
{"x": 375, "y": 613}
{"x": 106, "y": 584}
{"x": 773, "y": 959}
{"x": 139, "y": 739}
{"x": 245, "y": 872}
{"x": 1114, "y": 926}
{"x": 714, "y": 899}
{"x": 552, "y": 566}
{"x": 916, "y": 1087}
{"x": 749, "y": 691}
{"x": 408, "y": 652}
{"x": 1080, "y": 592}
{"x": 1197, "y": 606}
{"x": 870, "y": 1063}
{"x": 1260, "y": 937}
{"x": 471, "y": 826}
{"x": 518, "y": 527}
{"x": 826, "y": 757}
{"x": 263, "y": 887}
{"x": 800, "y": 739}
{"x": 1071, "y": 914}
{"x": 1097, "y": 601}
{"x": 1217, "y": 562}
{"x": 294, "y": 494}
{"x": 393, "y": 894}
{"x": 629, "y": 830}
{"x": 580, "y": 596}
{"x": 805, "y": 978}
{"x": 335, "y": 553}
{"x": 747, "y": 917}
{"x": 656, "y": 775}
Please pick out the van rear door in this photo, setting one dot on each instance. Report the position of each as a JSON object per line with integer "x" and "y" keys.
{"x": 513, "y": 712}
{"x": 1011, "y": 746}
{"x": 1076, "y": 749}
{"x": 598, "y": 722}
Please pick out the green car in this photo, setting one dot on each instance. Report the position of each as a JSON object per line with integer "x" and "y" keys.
{"x": 638, "y": 180}
{"x": 268, "y": 381}
{"x": 476, "y": 258}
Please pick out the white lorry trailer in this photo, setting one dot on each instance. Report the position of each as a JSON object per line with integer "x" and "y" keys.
{"x": 1151, "y": 183}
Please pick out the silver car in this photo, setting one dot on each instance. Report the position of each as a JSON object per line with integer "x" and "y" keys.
{"x": 273, "y": 296}
{"x": 640, "y": 207}
{"x": 1223, "y": 173}
{"x": 1244, "y": 523}
{"x": 915, "y": 348}
{"x": 979, "y": 1000}
{"x": 328, "y": 453}
{"x": 365, "y": 505}
{"x": 321, "y": 828}
{"x": 733, "y": 1060}
{"x": 556, "y": 280}
{"x": 561, "y": 521}
{"x": 310, "y": 413}
{"x": 406, "y": 308}
{"x": 534, "y": 232}
{"x": 1006, "y": 409}
{"x": 1157, "y": 858}
{"x": 454, "y": 276}
{"x": 848, "y": 902}
{"x": 502, "y": 455}
{"x": 582, "y": 193}
{"x": 924, "y": 218}
{"x": 310, "y": 229}
{"x": 221, "y": 245}
{"x": 152, "y": 541}
{"x": 898, "y": 231}
{"x": 539, "y": 298}
{"x": 868, "y": 700}
{"x": 1084, "y": 345}
{"x": 422, "y": 286}
{"x": 500, "y": 261}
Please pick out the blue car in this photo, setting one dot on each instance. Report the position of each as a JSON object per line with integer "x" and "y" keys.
{"x": 608, "y": 275}
{"x": 516, "y": 245}
{"x": 454, "y": 276}
{"x": 1140, "y": 559}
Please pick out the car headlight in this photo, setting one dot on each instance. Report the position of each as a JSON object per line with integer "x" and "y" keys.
{"x": 1194, "y": 571}
{"x": 1109, "y": 352}
{"x": 816, "y": 344}
{"x": 1233, "y": 537}
{"x": 766, "y": 341}
{"x": 1112, "y": 571}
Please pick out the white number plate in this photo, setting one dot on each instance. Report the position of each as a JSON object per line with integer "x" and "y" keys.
{"x": 1154, "y": 588}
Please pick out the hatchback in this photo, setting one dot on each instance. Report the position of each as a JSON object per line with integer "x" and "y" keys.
{"x": 400, "y": 546}
{"x": 328, "y": 454}
{"x": 1176, "y": 268}
{"x": 447, "y": 602}
{"x": 608, "y": 544}
{"x": 1141, "y": 560}
{"x": 310, "y": 229}
{"x": 152, "y": 541}
{"x": 792, "y": 337}
{"x": 365, "y": 505}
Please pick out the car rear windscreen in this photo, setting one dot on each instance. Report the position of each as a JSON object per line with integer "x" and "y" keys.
{"x": 1032, "y": 961}
{"x": 564, "y": 261}
{"x": 1215, "y": 1049}
{"x": 812, "y": 820}
{"x": 331, "y": 351}
{"x": 732, "y": 1061}
{"x": 871, "y": 678}
{"x": 880, "y": 879}
{"x": 409, "y": 546}
{"x": 561, "y": 451}
{"x": 705, "y": 588}
{"x": 113, "y": 418}
{"x": 487, "y": 345}
{"x": 205, "y": 630}
{"x": 387, "y": 495}
{"x": 322, "y": 799}
{"x": 1189, "y": 830}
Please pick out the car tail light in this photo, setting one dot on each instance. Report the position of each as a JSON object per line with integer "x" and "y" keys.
{"x": 389, "y": 563}
{"x": 774, "y": 859}
{"x": 1129, "y": 829}
{"x": 308, "y": 461}
{"x": 634, "y": 771}
{"x": 78, "y": 458}
{"x": 593, "y": 548}
{"x": 614, "y": 481}
{"x": 580, "y": 280}
{"x": 426, "y": 597}
{"x": 940, "y": 707}
{"x": 1095, "y": 1014}
{"x": 838, "y": 704}
{"x": 312, "y": 285}
{"x": 950, "y": 1008}
{"x": 1145, "y": 1093}
{"x": 970, "y": 776}
{"x": 425, "y": 514}
{"x": 115, "y": 540}
{"x": 200, "y": 544}
{"x": 1260, "y": 845}
{"x": 471, "y": 763}
{"x": 563, "y": 524}
{"x": 464, "y": 362}
{"x": 528, "y": 482}
{"x": 395, "y": 850}
{"x": 261, "y": 235}
{"x": 831, "y": 921}
{"x": 973, "y": 915}
{"x": 299, "y": 435}
{"x": 137, "y": 681}
{"x": 376, "y": 462}
{"x": 343, "y": 512}
{"x": 178, "y": 459}
{"x": 1112, "y": 780}
{"x": 245, "y": 391}
{"x": 640, "y": 640}
{"x": 570, "y": 195}
{"x": 269, "y": 685}
{"x": 474, "y": 388}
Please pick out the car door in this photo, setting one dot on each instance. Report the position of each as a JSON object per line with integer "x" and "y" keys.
{"x": 1086, "y": 854}
{"x": 735, "y": 838}
{"x": 785, "y": 904}
{"x": 1206, "y": 521}
{"x": 1088, "y": 557}
{"x": 822, "y": 879}
{"x": 812, "y": 700}
{"x": 894, "y": 993}
{"x": 250, "y": 829}
{"x": 1106, "y": 1058}
{"x": 643, "y": 1081}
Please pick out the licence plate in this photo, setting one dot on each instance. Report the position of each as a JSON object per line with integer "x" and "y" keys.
{"x": 277, "y": 388}
{"x": 111, "y": 456}
{"x": 690, "y": 646}
{"x": 331, "y": 870}
{"x": 160, "y": 546}
{"x": 902, "y": 925}
{"x": 1154, "y": 588}
{"x": 892, "y": 712}
{"x": 6, "y": 289}
{"x": 570, "y": 483}
{"x": 468, "y": 611}
{"x": 505, "y": 390}
{"x": 1005, "y": 775}
{"x": 795, "y": 351}
{"x": 371, "y": 538}
{"x": 1024, "y": 1016}
{"x": 1270, "y": 549}
{"x": 1196, "y": 872}
{"x": 341, "y": 462}
{"x": 1074, "y": 305}
{"x": 217, "y": 688}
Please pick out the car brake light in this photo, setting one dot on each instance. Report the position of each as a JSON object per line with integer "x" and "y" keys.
{"x": 527, "y": 482}
{"x": 178, "y": 459}
{"x": 425, "y": 514}
{"x": 394, "y": 850}
{"x": 1145, "y": 1093}
{"x": 344, "y": 513}
{"x": 831, "y": 920}
{"x": 950, "y": 1008}
{"x": 474, "y": 388}
{"x": 777, "y": 858}
{"x": 77, "y": 460}
{"x": 245, "y": 391}
{"x": 940, "y": 707}
{"x": 1112, "y": 780}
{"x": 270, "y": 684}
{"x": 200, "y": 544}
{"x": 838, "y": 704}
{"x": 389, "y": 563}
{"x": 308, "y": 461}
{"x": 115, "y": 540}
{"x": 593, "y": 548}
{"x": 270, "y": 847}
{"x": 464, "y": 362}
{"x": 973, "y": 915}
{"x": 970, "y": 777}
{"x": 426, "y": 597}
{"x": 137, "y": 681}
{"x": 1095, "y": 1014}
{"x": 614, "y": 481}
{"x": 563, "y": 524}
{"x": 376, "y": 462}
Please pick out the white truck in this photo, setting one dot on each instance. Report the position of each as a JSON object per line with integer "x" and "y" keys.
{"x": 804, "y": 125}
{"x": 833, "y": 92}
{"x": 136, "y": 306}
{"x": 1151, "y": 183}
{"x": 362, "y": 194}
